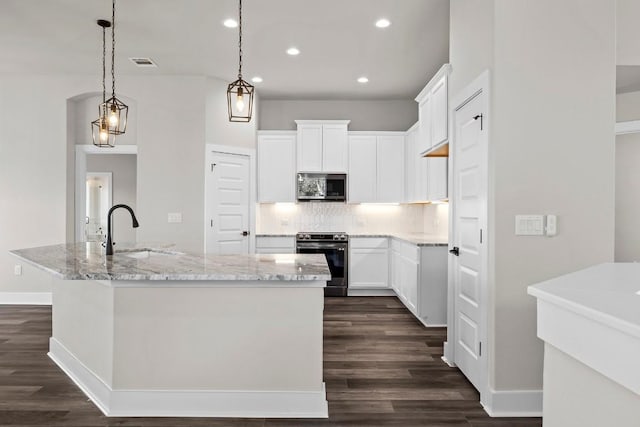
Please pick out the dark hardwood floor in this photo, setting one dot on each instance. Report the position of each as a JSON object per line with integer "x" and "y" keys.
{"x": 381, "y": 367}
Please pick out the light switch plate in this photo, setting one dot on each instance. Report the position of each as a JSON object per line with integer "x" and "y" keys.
{"x": 17, "y": 270}
{"x": 552, "y": 225}
{"x": 175, "y": 217}
{"x": 529, "y": 225}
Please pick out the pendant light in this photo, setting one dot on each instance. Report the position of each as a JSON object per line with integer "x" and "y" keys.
{"x": 100, "y": 127}
{"x": 115, "y": 110}
{"x": 240, "y": 93}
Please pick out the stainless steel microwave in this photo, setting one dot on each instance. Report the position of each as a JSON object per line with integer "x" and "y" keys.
{"x": 322, "y": 187}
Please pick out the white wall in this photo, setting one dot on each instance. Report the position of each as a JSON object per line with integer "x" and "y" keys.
{"x": 393, "y": 115}
{"x": 123, "y": 169}
{"x": 628, "y": 182}
{"x": 550, "y": 150}
{"x": 176, "y": 116}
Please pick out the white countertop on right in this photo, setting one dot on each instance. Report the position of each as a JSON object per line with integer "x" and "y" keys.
{"x": 593, "y": 315}
{"x": 609, "y": 293}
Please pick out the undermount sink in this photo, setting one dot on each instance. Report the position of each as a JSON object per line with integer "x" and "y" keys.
{"x": 149, "y": 253}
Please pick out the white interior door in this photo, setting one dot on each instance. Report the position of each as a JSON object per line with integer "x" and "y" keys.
{"x": 228, "y": 184}
{"x": 469, "y": 236}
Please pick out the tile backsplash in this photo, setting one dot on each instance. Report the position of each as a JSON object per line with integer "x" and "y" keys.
{"x": 289, "y": 218}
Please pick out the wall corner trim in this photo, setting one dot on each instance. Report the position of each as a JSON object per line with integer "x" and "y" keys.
{"x": 25, "y": 298}
{"x": 512, "y": 403}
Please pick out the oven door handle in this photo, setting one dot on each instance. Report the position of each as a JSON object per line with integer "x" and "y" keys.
{"x": 338, "y": 246}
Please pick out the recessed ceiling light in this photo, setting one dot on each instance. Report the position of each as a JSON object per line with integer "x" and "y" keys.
{"x": 363, "y": 79}
{"x": 230, "y": 23}
{"x": 383, "y": 23}
{"x": 293, "y": 51}
{"x": 257, "y": 79}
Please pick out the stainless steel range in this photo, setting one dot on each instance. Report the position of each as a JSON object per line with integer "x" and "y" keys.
{"x": 335, "y": 247}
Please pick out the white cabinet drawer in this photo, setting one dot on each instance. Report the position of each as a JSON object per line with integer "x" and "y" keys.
{"x": 275, "y": 245}
{"x": 369, "y": 242}
{"x": 408, "y": 250}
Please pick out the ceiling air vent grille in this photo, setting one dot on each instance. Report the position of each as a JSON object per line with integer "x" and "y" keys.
{"x": 143, "y": 62}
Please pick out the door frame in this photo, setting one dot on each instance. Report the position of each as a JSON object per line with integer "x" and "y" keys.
{"x": 479, "y": 85}
{"x": 210, "y": 149}
{"x": 82, "y": 151}
{"x": 109, "y": 177}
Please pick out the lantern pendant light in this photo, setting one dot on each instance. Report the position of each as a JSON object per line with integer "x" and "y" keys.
{"x": 240, "y": 93}
{"x": 100, "y": 127}
{"x": 115, "y": 110}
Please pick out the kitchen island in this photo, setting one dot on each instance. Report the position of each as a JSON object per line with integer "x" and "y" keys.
{"x": 590, "y": 324}
{"x": 151, "y": 331}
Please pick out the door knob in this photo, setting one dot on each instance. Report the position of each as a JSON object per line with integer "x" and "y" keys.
{"x": 455, "y": 251}
{"x": 245, "y": 233}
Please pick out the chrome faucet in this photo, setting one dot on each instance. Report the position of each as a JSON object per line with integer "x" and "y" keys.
{"x": 109, "y": 244}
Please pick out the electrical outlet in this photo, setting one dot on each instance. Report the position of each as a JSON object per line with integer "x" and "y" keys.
{"x": 17, "y": 270}
{"x": 175, "y": 217}
{"x": 284, "y": 221}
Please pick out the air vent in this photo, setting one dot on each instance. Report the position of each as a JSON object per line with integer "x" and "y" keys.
{"x": 143, "y": 62}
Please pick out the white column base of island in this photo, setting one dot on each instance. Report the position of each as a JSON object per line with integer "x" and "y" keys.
{"x": 590, "y": 323}
{"x": 250, "y": 347}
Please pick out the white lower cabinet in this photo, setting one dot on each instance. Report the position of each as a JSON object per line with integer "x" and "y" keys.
{"x": 275, "y": 244}
{"x": 369, "y": 263}
{"x": 418, "y": 276}
{"x": 404, "y": 269}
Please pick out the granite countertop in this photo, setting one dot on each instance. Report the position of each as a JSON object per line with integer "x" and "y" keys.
{"x": 418, "y": 239}
{"x": 87, "y": 261}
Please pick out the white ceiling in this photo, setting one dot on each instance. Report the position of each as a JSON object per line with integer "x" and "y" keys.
{"x": 337, "y": 39}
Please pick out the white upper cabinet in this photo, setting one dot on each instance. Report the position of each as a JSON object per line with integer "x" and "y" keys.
{"x": 310, "y": 148}
{"x": 276, "y": 166}
{"x": 376, "y": 168}
{"x": 390, "y": 168}
{"x": 424, "y": 139}
{"x": 322, "y": 145}
{"x": 439, "y": 111}
{"x": 437, "y": 178}
{"x": 361, "y": 179}
{"x": 334, "y": 148}
{"x": 416, "y": 188}
{"x": 433, "y": 110}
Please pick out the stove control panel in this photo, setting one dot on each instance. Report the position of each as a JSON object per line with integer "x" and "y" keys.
{"x": 323, "y": 237}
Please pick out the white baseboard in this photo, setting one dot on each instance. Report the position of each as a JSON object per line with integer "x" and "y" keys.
{"x": 428, "y": 325}
{"x": 370, "y": 292}
{"x": 25, "y": 298}
{"x": 512, "y": 403}
{"x": 188, "y": 403}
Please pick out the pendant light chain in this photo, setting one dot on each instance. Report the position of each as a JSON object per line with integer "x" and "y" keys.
{"x": 239, "y": 92}
{"x": 104, "y": 64}
{"x": 239, "y": 40}
{"x": 113, "y": 48}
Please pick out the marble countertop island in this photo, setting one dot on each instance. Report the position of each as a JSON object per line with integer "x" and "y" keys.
{"x": 154, "y": 332}
{"x": 87, "y": 261}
